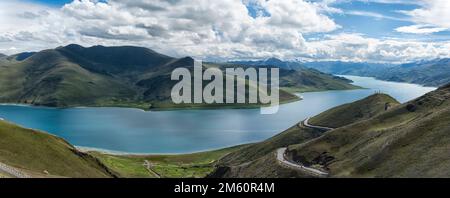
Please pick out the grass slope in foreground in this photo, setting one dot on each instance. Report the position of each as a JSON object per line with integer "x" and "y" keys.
{"x": 195, "y": 165}
{"x": 42, "y": 155}
{"x": 39, "y": 154}
{"x": 258, "y": 160}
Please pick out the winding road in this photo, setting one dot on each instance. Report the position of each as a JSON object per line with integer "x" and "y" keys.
{"x": 306, "y": 124}
{"x": 148, "y": 166}
{"x": 281, "y": 157}
{"x": 281, "y": 153}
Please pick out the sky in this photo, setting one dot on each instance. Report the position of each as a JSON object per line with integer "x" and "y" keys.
{"x": 388, "y": 31}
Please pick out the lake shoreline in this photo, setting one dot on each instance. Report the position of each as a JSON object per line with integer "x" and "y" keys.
{"x": 132, "y": 131}
{"x": 121, "y": 153}
{"x": 199, "y": 107}
{"x": 392, "y": 81}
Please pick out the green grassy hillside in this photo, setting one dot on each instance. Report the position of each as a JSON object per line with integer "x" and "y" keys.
{"x": 194, "y": 165}
{"x": 120, "y": 76}
{"x": 410, "y": 140}
{"x": 354, "y": 112}
{"x": 48, "y": 78}
{"x": 263, "y": 167}
{"x": 293, "y": 135}
{"x": 307, "y": 80}
{"x": 39, "y": 154}
{"x": 43, "y": 155}
{"x": 257, "y": 160}
{"x": 300, "y": 79}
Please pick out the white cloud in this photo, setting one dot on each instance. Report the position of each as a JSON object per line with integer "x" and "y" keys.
{"x": 204, "y": 29}
{"x": 356, "y": 47}
{"x": 407, "y": 2}
{"x": 433, "y": 16}
{"x": 419, "y": 29}
{"x": 17, "y": 22}
{"x": 373, "y": 15}
{"x": 297, "y": 14}
{"x": 188, "y": 27}
{"x": 324, "y": 6}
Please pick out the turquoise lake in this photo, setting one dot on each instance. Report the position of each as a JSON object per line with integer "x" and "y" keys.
{"x": 135, "y": 131}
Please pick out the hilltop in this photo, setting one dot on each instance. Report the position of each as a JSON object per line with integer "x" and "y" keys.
{"x": 353, "y": 112}
{"x": 121, "y": 76}
{"x": 287, "y": 65}
{"x": 295, "y": 77}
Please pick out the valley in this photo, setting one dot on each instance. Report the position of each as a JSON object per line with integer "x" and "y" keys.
{"x": 351, "y": 140}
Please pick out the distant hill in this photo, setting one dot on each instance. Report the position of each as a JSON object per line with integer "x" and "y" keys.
{"x": 429, "y": 73}
{"x": 348, "y": 68}
{"x": 258, "y": 160}
{"x": 306, "y": 80}
{"x": 2, "y": 55}
{"x": 410, "y": 140}
{"x": 288, "y": 65}
{"x": 353, "y": 112}
{"x": 23, "y": 56}
{"x": 119, "y": 76}
{"x": 294, "y": 77}
{"x": 42, "y": 155}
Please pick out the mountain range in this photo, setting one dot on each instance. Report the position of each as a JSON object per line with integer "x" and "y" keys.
{"x": 427, "y": 72}
{"x": 288, "y": 65}
{"x": 121, "y": 76}
{"x": 348, "y": 68}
